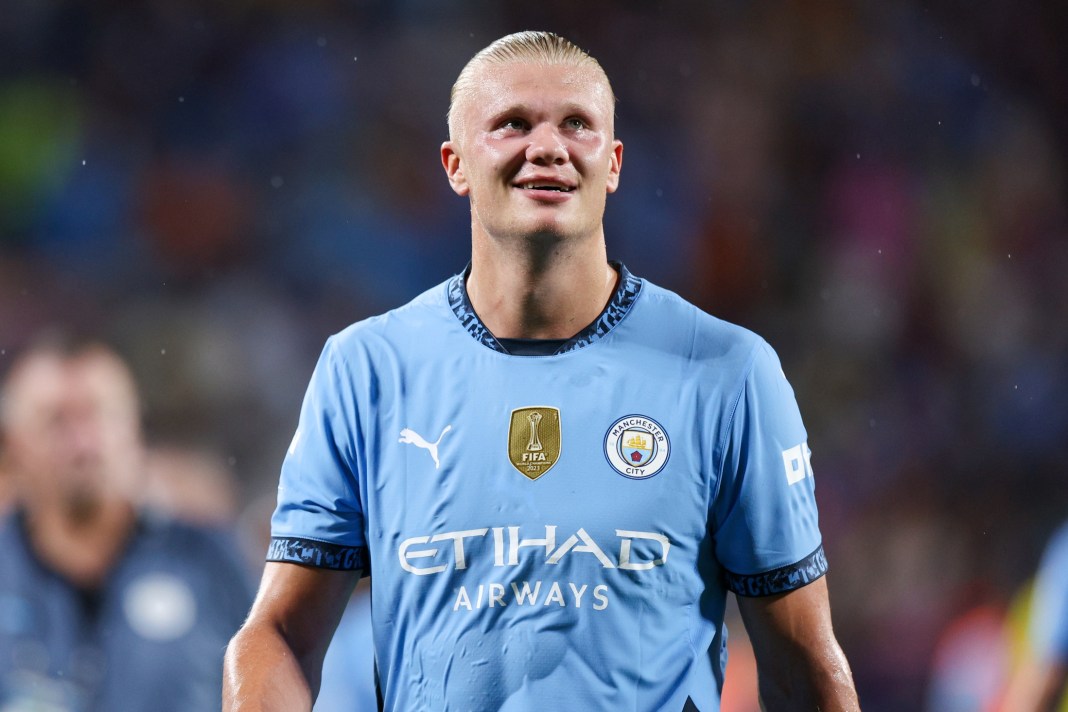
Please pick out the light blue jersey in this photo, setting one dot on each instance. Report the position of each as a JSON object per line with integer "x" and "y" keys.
{"x": 551, "y": 532}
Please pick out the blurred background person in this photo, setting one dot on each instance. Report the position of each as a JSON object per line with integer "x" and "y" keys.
{"x": 104, "y": 605}
{"x": 1041, "y": 676}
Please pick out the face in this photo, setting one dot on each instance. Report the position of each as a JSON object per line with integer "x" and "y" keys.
{"x": 534, "y": 150}
{"x": 72, "y": 431}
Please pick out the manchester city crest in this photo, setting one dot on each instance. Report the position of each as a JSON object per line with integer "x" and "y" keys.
{"x": 637, "y": 447}
{"x": 534, "y": 440}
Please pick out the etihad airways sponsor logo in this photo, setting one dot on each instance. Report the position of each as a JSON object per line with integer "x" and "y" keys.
{"x": 631, "y": 550}
{"x": 522, "y": 593}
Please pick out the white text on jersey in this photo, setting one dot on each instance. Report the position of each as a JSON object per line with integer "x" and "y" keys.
{"x": 507, "y": 542}
{"x": 797, "y": 461}
{"x": 521, "y": 593}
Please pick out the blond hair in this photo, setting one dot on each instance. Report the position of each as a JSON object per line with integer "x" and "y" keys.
{"x": 529, "y": 46}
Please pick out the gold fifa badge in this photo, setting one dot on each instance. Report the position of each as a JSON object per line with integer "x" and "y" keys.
{"x": 534, "y": 440}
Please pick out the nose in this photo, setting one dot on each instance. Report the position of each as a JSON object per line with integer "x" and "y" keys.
{"x": 546, "y": 147}
{"x": 84, "y": 437}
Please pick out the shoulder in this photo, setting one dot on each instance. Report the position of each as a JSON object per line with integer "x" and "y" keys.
{"x": 214, "y": 549}
{"x": 704, "y": 338}
{"x": 12, "y": 541}
{"x": 417, "y": 320}
{"x": 8, "y": 527}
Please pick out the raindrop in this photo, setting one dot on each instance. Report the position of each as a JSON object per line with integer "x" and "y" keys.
{"x": 975, "y": 80}
{"x": 163, "y": 352}
{"x": 321, "y": 42}
{"x": 858, "y": 156}
{"x": 181, "y": 100}
{"x": 277, "y": 182}
{"x": 83, "y": 161}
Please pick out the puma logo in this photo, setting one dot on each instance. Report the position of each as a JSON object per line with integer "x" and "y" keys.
{"x": 410, "y": 437}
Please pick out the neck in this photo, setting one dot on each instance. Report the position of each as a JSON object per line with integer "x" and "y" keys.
{"x": 537, "y": 291}
{"x": 81, "y": 546}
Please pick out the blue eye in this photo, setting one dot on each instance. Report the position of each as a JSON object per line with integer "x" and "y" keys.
{"x": 514, "y": 124}
{"x": 575, "y": 123}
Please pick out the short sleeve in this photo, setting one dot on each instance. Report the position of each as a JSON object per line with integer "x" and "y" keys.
{"x": 763, "y": 519}
{"x": 1049, "y": 613}
{"x": 319, "y": 518}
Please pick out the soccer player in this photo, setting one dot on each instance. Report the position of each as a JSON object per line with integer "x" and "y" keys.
{"x": 552, "y": 470}
{"x": 1040, "y": 683}
{"x": 103, "y": 605}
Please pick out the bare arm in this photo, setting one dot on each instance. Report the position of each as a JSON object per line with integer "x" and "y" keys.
{"x": 275, "y": 661}
{"x": 799, "y": 663}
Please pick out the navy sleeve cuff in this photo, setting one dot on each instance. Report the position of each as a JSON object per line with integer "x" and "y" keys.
{"x": 319, "y": 554}
{"x": 780, "y": 580}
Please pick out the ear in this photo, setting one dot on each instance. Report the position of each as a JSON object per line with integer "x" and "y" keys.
{"x": 615, "y": 163}
{"x": 450, "y": 160}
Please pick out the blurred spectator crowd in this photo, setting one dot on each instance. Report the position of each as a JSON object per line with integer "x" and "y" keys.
{"x": 877, "y": 188}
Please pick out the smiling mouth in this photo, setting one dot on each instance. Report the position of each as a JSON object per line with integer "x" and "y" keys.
{"x": 545, "y": 187}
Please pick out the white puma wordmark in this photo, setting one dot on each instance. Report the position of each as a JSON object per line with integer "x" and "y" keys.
{"x": 411, "y": 437}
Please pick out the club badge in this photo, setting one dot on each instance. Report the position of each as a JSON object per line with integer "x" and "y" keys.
{"x": 534, "y": 440}
{"x": 637, "y": 447}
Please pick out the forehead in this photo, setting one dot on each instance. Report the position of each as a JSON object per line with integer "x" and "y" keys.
{"x": 48, "y": 382}
{"x": 495, "y": 87}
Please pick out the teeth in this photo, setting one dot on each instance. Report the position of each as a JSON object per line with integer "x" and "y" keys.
{"x": 535, "y": 186}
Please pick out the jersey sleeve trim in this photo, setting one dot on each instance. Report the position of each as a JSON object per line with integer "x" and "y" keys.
{"x": 780, "y": 580}
{"x": 319, "y": 554}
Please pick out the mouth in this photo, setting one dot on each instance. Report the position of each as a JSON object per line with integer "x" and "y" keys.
{"x": 545, "y": 187}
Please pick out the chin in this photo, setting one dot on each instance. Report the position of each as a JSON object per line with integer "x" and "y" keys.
{"x": 549, "y": 231}
{"x": 544, "y": 234}
{"x": 83, "y": 505}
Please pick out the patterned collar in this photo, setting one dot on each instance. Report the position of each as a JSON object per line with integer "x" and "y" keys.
{"x": 617, "y": 308}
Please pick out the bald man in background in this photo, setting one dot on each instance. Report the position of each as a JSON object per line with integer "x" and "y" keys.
{"x": 104, "y": 605}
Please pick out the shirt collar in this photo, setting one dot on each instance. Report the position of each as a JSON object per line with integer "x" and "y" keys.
{"x": 618, "y": 306}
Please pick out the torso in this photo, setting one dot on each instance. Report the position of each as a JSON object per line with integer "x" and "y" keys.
{"x": 521, "y": 512}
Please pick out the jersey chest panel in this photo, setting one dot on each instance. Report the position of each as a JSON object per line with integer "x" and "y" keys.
{"x": 515, "y": 493}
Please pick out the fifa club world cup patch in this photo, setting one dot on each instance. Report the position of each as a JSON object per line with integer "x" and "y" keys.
{"x": 534, "y": 440}
{"x": 637, "y": 447}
